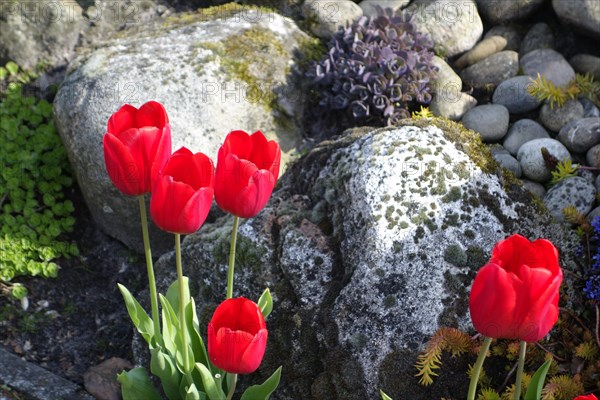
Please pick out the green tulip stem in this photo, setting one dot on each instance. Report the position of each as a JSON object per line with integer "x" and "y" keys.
{"x": 236, "y": 221}
{"x": 477, "y": 368}
{"x": 522, "y": 352}
{"x": 150, "y": 270}
{"x": 233, "y": 383}
{"x": 183, "y": 300}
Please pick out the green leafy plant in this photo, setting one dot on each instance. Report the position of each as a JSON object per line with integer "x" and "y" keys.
{"x": 580, "y": 85}
{"x": 563, "y": 170}
{"x": 34, "y": 213}
{"x": 422, "y": 113}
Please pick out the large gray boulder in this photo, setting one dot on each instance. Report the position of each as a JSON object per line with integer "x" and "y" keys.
{"x": 369, "y": 245}
{"x": 581, "y": 15}
{"x": 213, "y": 76}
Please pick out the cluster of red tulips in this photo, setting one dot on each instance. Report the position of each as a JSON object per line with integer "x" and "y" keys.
{"x": 137, "y": 152}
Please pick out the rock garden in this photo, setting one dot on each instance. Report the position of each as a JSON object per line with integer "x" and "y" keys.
{"x": 419, "y": 191}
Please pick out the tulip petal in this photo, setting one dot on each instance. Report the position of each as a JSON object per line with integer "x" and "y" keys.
{"x": 232, "y": 177}
{"x": 492, "y": 302}
{"x": 171, "y": 198}
{"x": 253, "y": 355}
{"x": 265, "y": 154}
{"x": 514, "y": 251}
{"x": 255, "y": 196}
{"x": 238, "y": 143}
{"x": 122, "y": 120}
{"x": 152, "y": 113}
{"x": 121, "y": 166}
{"x": 546, "y": 251}
{"x": 161, "y": 151}
{"x": 195, "y": 211}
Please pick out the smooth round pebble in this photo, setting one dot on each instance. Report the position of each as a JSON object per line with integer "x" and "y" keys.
{"x": 548, "y": 63}
{"x": 512, "y": 36}
{"x": 523, "y": 131}
{"x": 489, "y": 120}
{"x": 540, "y": 36}
{"x": 327, "y": 17}
{"x": 447, "y": 83}
{"x": 595, "y": 212}
{"x": 580, "y": 135}
{"x": 488, "y": 46}
{"x": 492, "y": 70}
{"x": 452, "y": 108}
{"x": 534, "y": 187}
{"x": 557, "y": 117}
{"x": 589, "y": 108}
{"x": 586, "y": 64}
{"x": 592, "y": 157}
{"x": 369, "y": 7}
{"x": 597, "y": 183}
{"x": 506, "y": 160}
{"x": 575, "y": 191}
{"x": 532, "y": 162}
{"x": 513, "y": 94}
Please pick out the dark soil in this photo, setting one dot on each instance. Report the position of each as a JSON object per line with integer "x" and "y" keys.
{"x": 78, "y": 319}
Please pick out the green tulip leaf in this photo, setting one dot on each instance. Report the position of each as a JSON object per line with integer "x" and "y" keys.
{"x": 534, "y": 390}
{"x": 3, "y": 73}
{"x": 213, "y": 390}
{"x": 173, "y": 293}
{"x": 139, "y": 317}
{"x": 172, "y": 335}
{"x": 384, "y": 396}
{"x": 265, "y": 303}
{"x": 263, "y": 391}
{"x": 196, "y": 342}
{"x": 12, "y": 68}
{"x": 163, "y": 366}
{"x": 190, "y": 392}
{"x": 135, "y": 385}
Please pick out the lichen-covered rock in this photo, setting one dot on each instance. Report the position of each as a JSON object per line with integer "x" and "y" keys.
{"x": 213, "y": 76}
{"x": 369, "y": 245}
{"x": 575, "y": 191}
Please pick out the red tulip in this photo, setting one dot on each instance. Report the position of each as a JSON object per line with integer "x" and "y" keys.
{"x": 237, "y": 336}
{"x": 247, "y": 170}
{"x": 137, "y": 145}
{"x": 183, "y": 192}
{"x": 587, "y": 397}
{"x": 515, "y": 295}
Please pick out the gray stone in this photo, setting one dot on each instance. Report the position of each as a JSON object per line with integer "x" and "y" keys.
{"x": 513, "y": 94}
{"x": 36, "y": 382}
{"x": 586, "y": 64}
{"x": 540, "y": 36}
{"x": 506, "y": 160}
{"x": 369, "y": 7}
{"x": 488, "y": 46}
{"x": 507, "y": 10}
{"x": 452, "y": 108}
{"x": 554, "y": 118}
{"x": 185, "y": 67}
{"x": 589, "y": 108}
{"x": 489, "y": 120}
{"x": 491, "y": 71}
{"x": 447, "y": 83}
{"x": 346, "y": 246}
{"x": 597, "y": 183}
{"x": 534, "y": 187}
{"x": 521, "y": 132}
{"x": 581, "y": 15}
{"x": 580, "y": 135}
{"x": 101, "y": 380}
{"x": 592, "y": 157}
{"x": 326, "y": 17}
{"x": 512, "y": 36}
{"x": 548, "y": 63}
{"x": 35, "y": 32}
{"x": 454, "y": 27}
{"x": 575, "y": 191}
{"x": 532, "y": 162}
{"x": 594, "y": 213}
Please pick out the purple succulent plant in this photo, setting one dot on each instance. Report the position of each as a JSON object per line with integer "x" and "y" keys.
{"x": 376, "y": 70}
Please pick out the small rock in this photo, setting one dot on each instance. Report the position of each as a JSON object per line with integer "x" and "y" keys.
{"x": 506, "y": 160}
{"x": 512, "y": 36}
{"x": 521, "y": 132}
{"x": 489, "y": 120}
{"x": 507, "y": 10}
{"x": 594, "y": 213}
{"x": 513, "y": 94}
{"x": 575, "y": 191}
{"x": 540, "y": 36}
{"x": 329, "y": 16}
{"x": 454, "y": 27}
{"x": 589, "y": 108}
{"x": 534, "y": 187}
{"x": 532, "y": 162}
{"x": 582, "y": 15}
{"x": 447, "y": 83}
{"x": 488, "y": 46}
{"x": 586, "y": 64}
{"x": 369, "y": 7}
{"x": 452, "y": 109}
{"x": 597, "y": 183}
{"x": 549, "y": 64}
{"x": 492, "y": 70}
{"x": 101, "y": 380}
{"x": 557, "y": 117}
{"x": 586, "y": 174}
{"x": 580, "y": 135}
{"x": 592, "y": 157}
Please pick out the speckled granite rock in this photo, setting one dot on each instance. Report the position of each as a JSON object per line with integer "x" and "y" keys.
{"x": 346, "y": 246}
{"x": 532, "y": 162}
{"x": 575, "y": 191}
